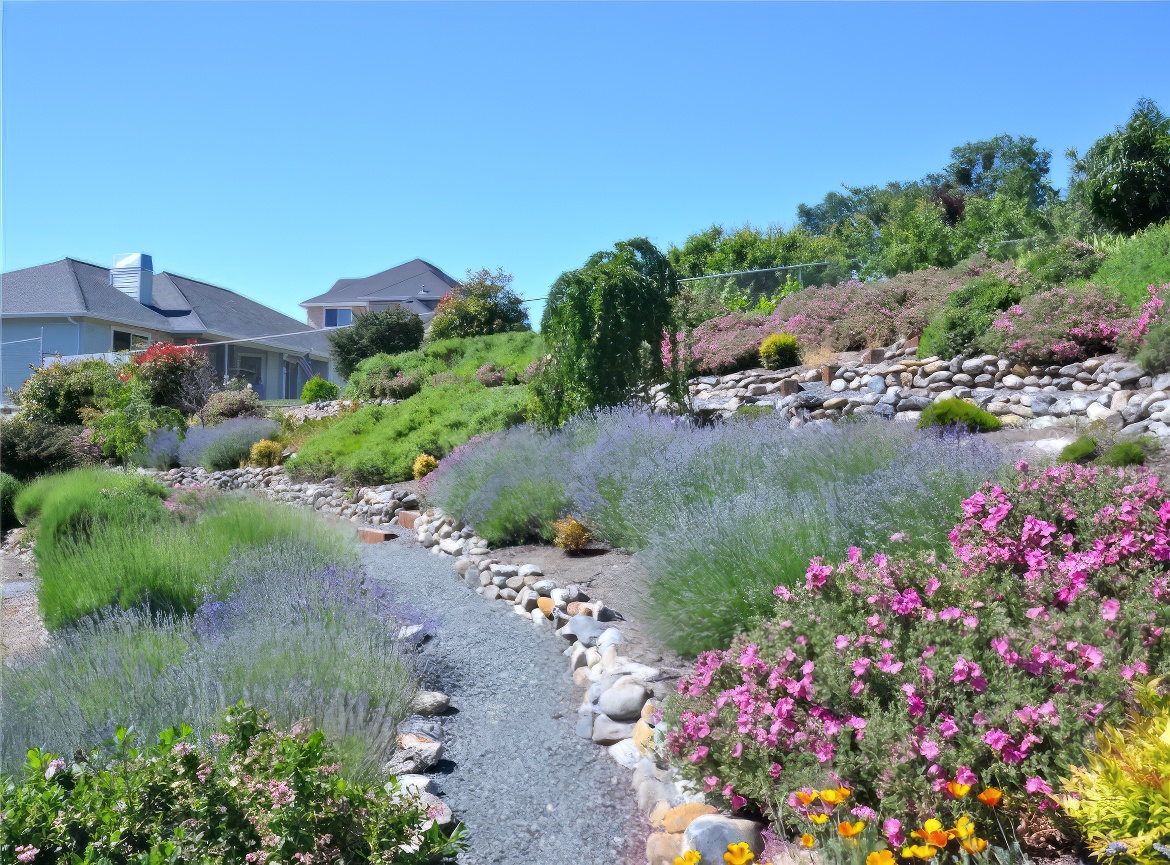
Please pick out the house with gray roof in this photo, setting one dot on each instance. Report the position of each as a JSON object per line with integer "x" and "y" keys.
{"x": 72, "y": 308}
{"x": 417, "y": 285}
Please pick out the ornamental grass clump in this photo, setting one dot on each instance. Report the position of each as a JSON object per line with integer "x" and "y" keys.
{"x": 1082, "y": 450}
{"x": 1120, "y": 797}
{"x": 918, "y": 680}
{"x": 250, "y": 793}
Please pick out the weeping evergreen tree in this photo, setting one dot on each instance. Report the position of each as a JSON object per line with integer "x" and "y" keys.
{"x": 604, "y": 325}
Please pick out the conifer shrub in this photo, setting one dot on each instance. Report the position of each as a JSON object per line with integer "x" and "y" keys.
{"x": 570, "y": 535}
{"x": 424, "y": 464}
{"x": 266, "y": 454}
{"x": 1080, "y": 451}
{"x": 779, "y": 351}
{"x": 957, "y": 412}
{"x": 318, "y": 389}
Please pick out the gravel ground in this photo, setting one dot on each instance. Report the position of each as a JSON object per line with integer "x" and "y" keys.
{"x": 525, "y": 786}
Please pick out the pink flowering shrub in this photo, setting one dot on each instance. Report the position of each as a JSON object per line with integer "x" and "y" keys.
{"x": 988, "y": 665}
{"x": 726, "y": 344}
{"x": 857, "y": 315}
{"x": 1065, "y": 324}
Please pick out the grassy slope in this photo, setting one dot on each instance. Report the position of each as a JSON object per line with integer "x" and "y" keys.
{"x": 379, "y": 443}
{"x": 462, "y": 357}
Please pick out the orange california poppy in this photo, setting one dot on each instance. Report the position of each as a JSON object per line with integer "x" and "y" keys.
{"x": 880, "y": 857}
{"x": 739, "y": 854}
{"x": 974, "y": 845}
{"x": 848, "y": 830}
{"x": 806, "y": 799}
{"x": 958, "y": 790}
{"x": 819, "y": 819}
{"x": 964, "y": 828}
{"x": 990, "y": 797}
{"x": 932, "y": 833}
{"x": 807, "y": 840}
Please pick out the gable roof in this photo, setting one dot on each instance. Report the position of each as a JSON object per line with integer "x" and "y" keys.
{"x": 416, "y": 278}
{"x": 180, "y": 306}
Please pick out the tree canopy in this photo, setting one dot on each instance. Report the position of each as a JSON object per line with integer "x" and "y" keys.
{"x": 484, "y": 304}
{"x": 1124, "y": 178}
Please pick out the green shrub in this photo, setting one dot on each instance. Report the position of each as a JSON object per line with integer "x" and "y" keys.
{"x": 9, "y": 489}
{"x": 953, "y": 412}
{"x": 388, "y": 331}
{"x": 966, "y": 316}
{"x": 1124, "y": 454}
{"x": 266, "y": 454}
{"x": 105, "y": 539}
{"x": 130, "y": 417}
{"x": 378, "y": 444}
{"x": 60, "y": 392}
{"x": 1065, "y": 260}
{"x": 32, "y": 448}
{"x": 226, "y": 404}
{"x": 779, "y": 351}
{"x": 1079, "y": 451}
{"x": 484, "y": 304}
{"x": 1141, "y": 261}
{"x": 1154, "y": 354}
{"x": 253, "y": 794}
{"x": 318, "y": 389}
{"x": 1119, "y": 798}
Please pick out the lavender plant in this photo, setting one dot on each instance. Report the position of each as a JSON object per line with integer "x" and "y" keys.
{"x": 160, "y": 449}
{"x": 718, "y": 515}
{"x": 297, "y": 639}
{"x": 225, "y": 445}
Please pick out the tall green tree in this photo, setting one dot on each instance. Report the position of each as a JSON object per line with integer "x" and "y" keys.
{"x": 1124, "y": 178}
{"x": 604, "y": 325}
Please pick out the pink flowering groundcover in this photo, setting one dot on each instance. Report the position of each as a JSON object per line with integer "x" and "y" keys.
{"x": 916, "y": 682}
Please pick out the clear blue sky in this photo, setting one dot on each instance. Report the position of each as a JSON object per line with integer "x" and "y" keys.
{"x": 272, "y": 148}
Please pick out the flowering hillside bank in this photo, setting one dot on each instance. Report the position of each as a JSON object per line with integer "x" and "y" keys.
{"x": 919, "y": 681}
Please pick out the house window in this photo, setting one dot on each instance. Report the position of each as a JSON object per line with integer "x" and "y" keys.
{"x": 124, "y": 340}
{"x": 338, "y": 317}
{"x": 249, "y": 367}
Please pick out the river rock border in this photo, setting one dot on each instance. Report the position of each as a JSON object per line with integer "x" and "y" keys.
{"x": 893, "y": 383}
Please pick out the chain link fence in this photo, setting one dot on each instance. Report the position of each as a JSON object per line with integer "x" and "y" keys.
{"x": 758, "y": 289}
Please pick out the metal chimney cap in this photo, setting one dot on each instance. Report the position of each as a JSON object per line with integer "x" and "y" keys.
{"x": 134, "y": 259}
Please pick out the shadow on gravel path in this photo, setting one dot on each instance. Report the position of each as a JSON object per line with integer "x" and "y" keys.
{"x": 528, "y": 789}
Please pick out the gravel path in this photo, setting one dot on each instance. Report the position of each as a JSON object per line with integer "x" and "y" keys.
{"x": 526, "y": 787}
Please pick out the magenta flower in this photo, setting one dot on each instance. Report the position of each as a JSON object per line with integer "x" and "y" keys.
{"x": 1110, "y": 608}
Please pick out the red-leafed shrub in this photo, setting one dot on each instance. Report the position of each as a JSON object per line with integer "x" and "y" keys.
{"x": 166, "y": 367}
